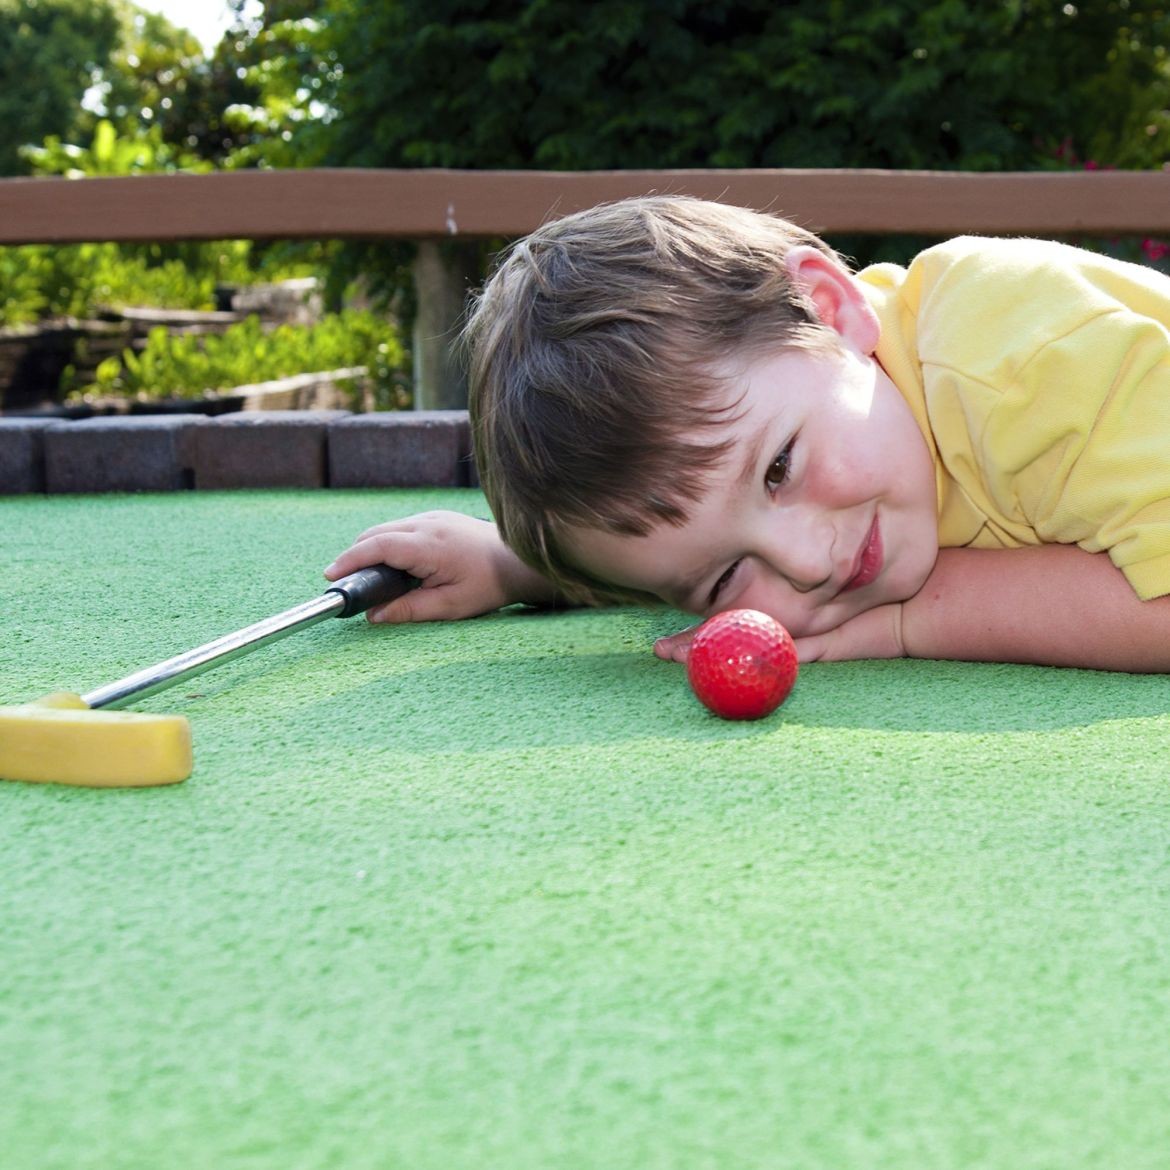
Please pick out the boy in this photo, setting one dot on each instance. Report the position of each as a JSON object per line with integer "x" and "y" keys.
{"x": 674, "y": 399}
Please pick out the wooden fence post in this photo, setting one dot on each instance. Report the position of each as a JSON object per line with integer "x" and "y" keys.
{"x": 443, "y": 274}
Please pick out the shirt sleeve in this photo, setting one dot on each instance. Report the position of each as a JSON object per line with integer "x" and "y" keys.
{"x": 1046, "y": 373}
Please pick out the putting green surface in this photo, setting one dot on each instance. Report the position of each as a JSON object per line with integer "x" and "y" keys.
{"x": 499, "y": 893}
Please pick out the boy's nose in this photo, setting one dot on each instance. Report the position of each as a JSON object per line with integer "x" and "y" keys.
{"x": 806, "y": 577}
{"x": 802, "y": 553}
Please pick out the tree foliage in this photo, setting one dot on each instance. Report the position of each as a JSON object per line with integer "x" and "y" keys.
{"x": 50, "y": 52}
{"x": 693, "y": 83}
{"x": 161, "y": 83}
{"x": 1009, "y": 84}
{"x": 67, "y": 66}
{"x": 238, "y": 106}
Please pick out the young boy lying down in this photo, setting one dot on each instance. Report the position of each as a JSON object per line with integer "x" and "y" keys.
{"x": 678, "y": 400}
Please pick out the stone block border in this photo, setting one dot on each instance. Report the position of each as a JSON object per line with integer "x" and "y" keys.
{"x": 278, "y": 448}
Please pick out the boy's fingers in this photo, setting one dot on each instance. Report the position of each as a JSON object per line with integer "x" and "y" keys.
{"x": 397, "y": 550}
{"x": 380, "y": 529}
{"x": 675, "y": 647}
{"x": 413, "y": 525}
{"x": 401, "y": 609}
{"x": 420, "y": 605}
{"x": 350, "y": 561}
{"x": 811, "y": 649}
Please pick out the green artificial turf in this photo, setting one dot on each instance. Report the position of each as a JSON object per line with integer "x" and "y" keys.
{"x": 501, "y": 894}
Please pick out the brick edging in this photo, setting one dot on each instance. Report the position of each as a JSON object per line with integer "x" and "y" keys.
{"x": 251, "y": 449}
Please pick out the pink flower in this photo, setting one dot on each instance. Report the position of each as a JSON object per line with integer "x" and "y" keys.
{"x": 1155, "y": 249}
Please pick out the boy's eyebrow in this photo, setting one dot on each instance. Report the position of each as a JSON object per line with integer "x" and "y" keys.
{"x": 687, "y": 589}
{"x": 751, "y": 460}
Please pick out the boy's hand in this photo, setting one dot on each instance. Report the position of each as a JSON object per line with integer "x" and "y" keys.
{"x": 463, "y": 566}
{"x": 876, "y": 633}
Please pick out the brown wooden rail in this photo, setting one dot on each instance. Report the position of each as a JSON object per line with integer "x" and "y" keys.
{"x": 371, "y": 204}
{"x": 429, "y": 205}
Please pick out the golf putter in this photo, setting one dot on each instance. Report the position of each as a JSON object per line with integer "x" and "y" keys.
{"x": 66, "y": 738}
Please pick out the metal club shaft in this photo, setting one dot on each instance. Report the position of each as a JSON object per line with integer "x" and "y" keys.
{"x": 192, "y": 662}
{"x": 353, "y": 594}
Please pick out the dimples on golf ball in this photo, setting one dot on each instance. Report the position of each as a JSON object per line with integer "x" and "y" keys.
{"x": 742, "y": 664}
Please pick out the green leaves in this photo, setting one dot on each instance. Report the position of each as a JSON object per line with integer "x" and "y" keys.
{"x": 49, "y": 52}
{"x": 111, "y": 154}
{"x": 75, "y": 280}
{"x": 174, "y": 365}
{"x": 683, "y": 83}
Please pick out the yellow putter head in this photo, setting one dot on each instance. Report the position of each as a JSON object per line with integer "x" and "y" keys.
{"x": 66, "y": 738}
{"x": 61, "y": 740}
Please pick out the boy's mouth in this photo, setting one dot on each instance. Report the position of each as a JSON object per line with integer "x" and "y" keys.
{"x": 869, "y": 560}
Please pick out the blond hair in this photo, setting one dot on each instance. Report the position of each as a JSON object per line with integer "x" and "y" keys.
{"x": 592, "y": 349}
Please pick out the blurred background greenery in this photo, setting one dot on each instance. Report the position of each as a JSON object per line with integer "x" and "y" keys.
{"x": 102, "y": 87}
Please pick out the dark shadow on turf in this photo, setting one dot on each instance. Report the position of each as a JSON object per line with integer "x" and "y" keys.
{"x": 514, "y": 702}
{"x": 541, "y": 678}
{"x": 918, "y": 695}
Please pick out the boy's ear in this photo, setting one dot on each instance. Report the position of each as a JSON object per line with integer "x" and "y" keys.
{"x": 836, "y": 296}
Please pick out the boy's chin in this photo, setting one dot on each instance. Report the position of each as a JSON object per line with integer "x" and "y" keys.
{"x": 904, "y": 580}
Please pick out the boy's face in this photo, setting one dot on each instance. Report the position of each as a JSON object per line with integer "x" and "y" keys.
{"x": 825, "y": 505}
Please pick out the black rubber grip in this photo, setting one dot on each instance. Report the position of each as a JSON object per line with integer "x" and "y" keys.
{"x": 372, "y": 586}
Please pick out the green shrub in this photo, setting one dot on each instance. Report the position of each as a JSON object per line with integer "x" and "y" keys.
{"x": 75, "y": 280}
{"x": 188, "y": 366}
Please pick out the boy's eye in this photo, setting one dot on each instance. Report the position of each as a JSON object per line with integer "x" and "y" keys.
{"x": 778, "y": 469}
{"x": 719, "y": 585}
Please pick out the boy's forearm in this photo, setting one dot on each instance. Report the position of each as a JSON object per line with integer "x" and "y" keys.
{"x": 1054, "y": 605}
{"x": 525, "y": 584}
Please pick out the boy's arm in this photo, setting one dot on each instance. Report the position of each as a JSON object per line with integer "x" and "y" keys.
{"x": 463, "y": 567}
{"x": 1053, "y": 605}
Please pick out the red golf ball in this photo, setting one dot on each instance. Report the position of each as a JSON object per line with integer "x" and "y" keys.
{"x": 742, "y": 664}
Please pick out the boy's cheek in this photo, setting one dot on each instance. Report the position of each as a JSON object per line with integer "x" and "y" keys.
{"x": 788, "y": 608}
{"x": 799, "y": 622}
{"x": 798, "y": 614}
{"x": 830, "y": 616}
{"x": 809, "y": 625}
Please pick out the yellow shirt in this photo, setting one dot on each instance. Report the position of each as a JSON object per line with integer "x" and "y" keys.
{"x": 1040, "y": 376}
